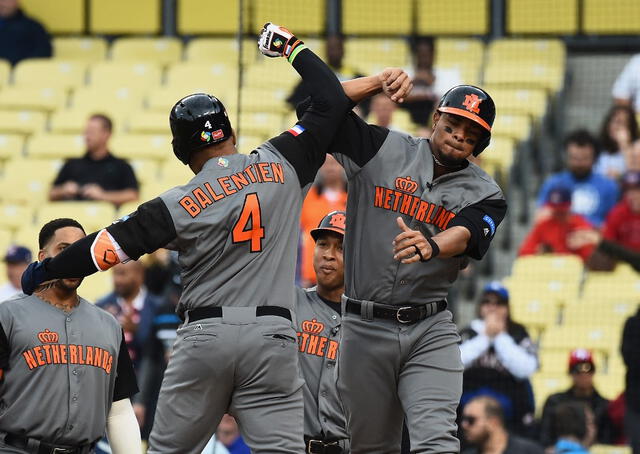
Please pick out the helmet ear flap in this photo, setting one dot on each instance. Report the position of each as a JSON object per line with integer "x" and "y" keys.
{"x": 482, "y": 144}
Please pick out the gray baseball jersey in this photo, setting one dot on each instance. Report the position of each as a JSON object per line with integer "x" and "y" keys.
{"x": 318, "y": 328}
{"x": 238, "y": 227}
{"x": 411, "y": 371}
{"x": 235, "y": 226}
{"x": 61, "y": 373}
{"x": 396, "y": 179}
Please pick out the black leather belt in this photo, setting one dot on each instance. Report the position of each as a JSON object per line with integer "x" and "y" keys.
{"x": 34, "y": 446}
{"x": 216, "y": 311}
{"x": 319, "y": 446}
{"x": 404, "y": 314}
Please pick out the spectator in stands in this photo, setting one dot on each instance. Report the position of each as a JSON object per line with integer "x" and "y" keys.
{"x": 626, "y": 88}
{"x": 582, "y": 390}
{"x": 575, "y": 428}
{"x": 329, "y": 193}
{"x": 619, "y": 132}
{"x": 21, "y": 37}
{"x": 484, "y": 428}
{"x": 382, "y": 109}
{"x": 229, "y": 435}
{"x": 334, "y": 46}
{"x": 620, "y": 237}
{"x": 499, "y": 358}
{"x": 631, "y": 355}
{"x": 554, "y": 234}
{"x": 98, "y": 175}
{"x": 592, "y": 195}
{"x": 17, "y": 259}
{"x": 132, "y": 305}
{"x": 429, "y": 83}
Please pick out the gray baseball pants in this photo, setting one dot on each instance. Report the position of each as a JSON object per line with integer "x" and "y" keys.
{"x": 388, "y": 371}
{"x": 240, "y": 364}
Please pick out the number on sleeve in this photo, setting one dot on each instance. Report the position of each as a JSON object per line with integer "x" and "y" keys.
{"x": 250, "y": 214}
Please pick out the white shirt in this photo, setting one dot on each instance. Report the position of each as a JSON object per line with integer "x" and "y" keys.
{"x": 214, "y": 447}
{"x": 7, "y": 291}
{"x": 627, "y": 85}
{"x": 610, "y": 165}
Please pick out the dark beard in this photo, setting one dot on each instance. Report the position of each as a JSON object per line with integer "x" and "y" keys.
{"x": 447, "y": 163}
{"x": 580, "y": 175}
{"x": 66, "y": 288}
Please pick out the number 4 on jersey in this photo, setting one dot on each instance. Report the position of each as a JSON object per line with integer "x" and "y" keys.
{"x": 249, "y": 225}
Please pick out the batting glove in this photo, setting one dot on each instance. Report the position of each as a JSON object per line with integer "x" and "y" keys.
{"x": 33, "y": 276}
{"x": 277, "y": 41}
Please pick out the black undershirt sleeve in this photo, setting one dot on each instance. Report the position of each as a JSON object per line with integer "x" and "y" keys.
{"x": 149, "y": 228}
{"x": 358, "y": 140}
{"x": 144, "y": 231}
{"x": 5, "y": 350}
{"x": 126, "y": 383}
{"x": 355, "y": 139}
{"x": 482, "y": 220}
{"x": 306, "y": 151}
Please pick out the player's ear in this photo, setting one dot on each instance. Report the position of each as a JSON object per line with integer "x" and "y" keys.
{"x": 41, "y": 255}
{"x": 436, "y": 117}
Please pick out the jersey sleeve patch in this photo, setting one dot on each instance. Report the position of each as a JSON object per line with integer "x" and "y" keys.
{"x": 296, "y": 130}
{"x": 492, "y": 225}
{"x": 104, "y": 251}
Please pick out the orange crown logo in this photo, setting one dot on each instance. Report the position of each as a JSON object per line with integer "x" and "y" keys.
{"x": 472, "y": 103}
{"x": 48, "y": 337}
{"x": 312, "y": 326}
{"x": 406, "y": 185}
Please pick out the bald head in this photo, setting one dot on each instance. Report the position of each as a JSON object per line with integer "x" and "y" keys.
{"x": 8, "y": 7}
{"x": 128, "y": 279}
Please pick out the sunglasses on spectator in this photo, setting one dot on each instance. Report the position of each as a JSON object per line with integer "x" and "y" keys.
{"x": 468, "y": 420}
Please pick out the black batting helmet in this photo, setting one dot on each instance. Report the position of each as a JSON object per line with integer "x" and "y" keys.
{"x": 332, "y": 222}
{"x": 473, "y": 103}
{"x": 197, "y": 121}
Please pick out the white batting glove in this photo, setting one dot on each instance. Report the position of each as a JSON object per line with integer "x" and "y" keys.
{"x": 277, "y": 41}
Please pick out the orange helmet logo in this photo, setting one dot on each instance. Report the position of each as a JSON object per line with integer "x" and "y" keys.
{"x": 338, "y": 220}
{"x": 312, "y": 326}
{"x": 472, "y": 103}
{"x": 48, "y": 337}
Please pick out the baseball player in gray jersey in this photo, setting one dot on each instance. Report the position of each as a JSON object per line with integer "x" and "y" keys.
{"x": 63, "y": 380}
{"x": 318, "y": 312}
{"x": 417, "y": 209}
{"x": 235, "y": 227}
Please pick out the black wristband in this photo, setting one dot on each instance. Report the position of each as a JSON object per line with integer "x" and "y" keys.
{"x": 435, "y": 250}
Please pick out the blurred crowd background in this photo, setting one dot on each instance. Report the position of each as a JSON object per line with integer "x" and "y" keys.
{"x": 549, "y": 319}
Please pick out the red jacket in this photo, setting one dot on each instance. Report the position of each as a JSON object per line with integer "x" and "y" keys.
{"x": 550, "y": 236}
{"x": 623, "y": 226}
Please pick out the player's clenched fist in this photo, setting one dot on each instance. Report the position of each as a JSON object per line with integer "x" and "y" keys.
{"x": 277, "y": 41}
{"x": 396, "y": 84}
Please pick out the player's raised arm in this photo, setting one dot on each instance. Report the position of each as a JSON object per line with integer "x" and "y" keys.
{"x": 143, "y": 232}
{"x": 394, "y": 82}
{"x": 306, "y": 144}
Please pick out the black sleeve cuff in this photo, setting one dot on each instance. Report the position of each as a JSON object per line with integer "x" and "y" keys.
{"x": 482, "y": 220}
{"x": 149, "y": 228}
{"x": 126, "y": 383}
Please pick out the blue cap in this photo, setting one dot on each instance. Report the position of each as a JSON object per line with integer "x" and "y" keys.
{"x": 18, "y": 254}
{"x": 559, "y": 195}
{"x": 497, "y": 288}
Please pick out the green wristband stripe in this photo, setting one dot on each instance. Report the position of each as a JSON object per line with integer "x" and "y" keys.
{"x": 295, "y": 52}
